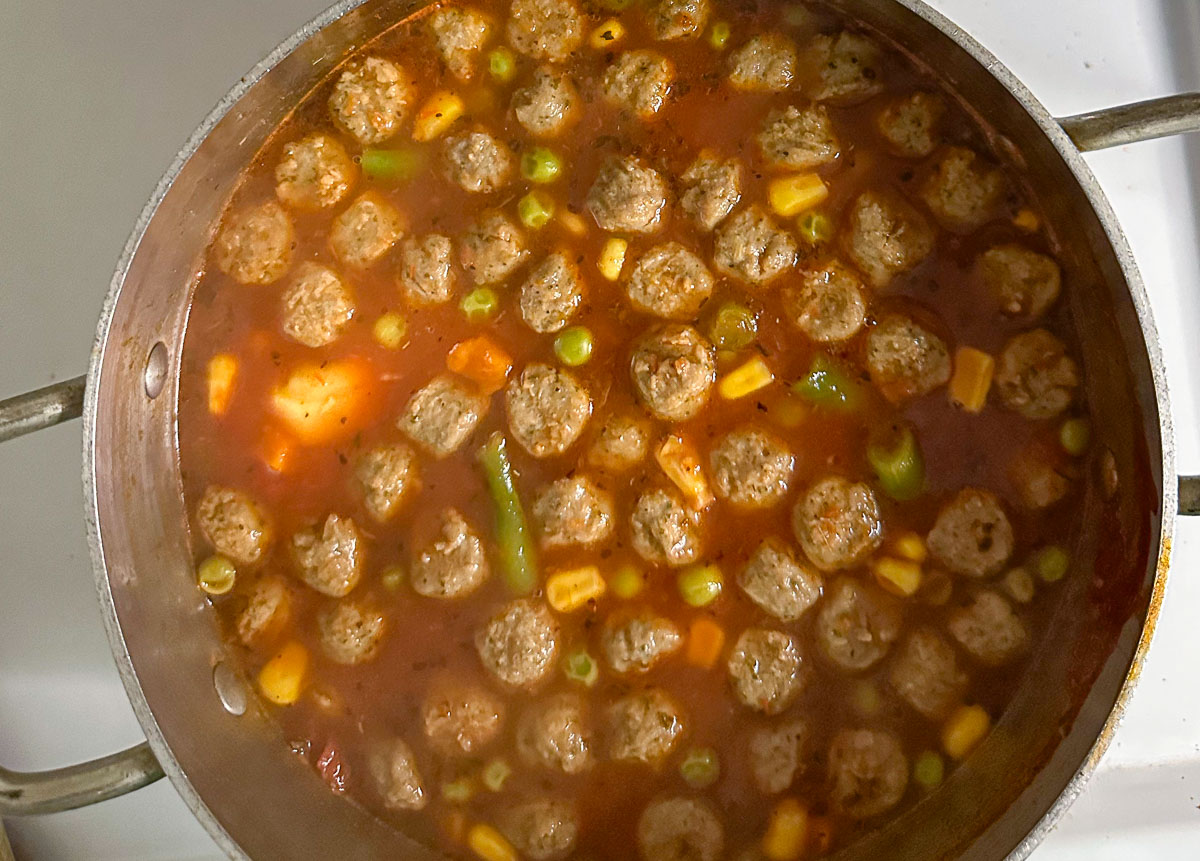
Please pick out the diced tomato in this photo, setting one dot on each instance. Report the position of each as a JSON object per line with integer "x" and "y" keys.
{"x": 332, "y": 767}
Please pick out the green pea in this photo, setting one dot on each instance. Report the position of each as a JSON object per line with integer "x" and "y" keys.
{"x": 627, "y": 582}
{"x": 733, "y": 327}
{"x": 700, "y": 767}
{"x": 718, "y": 35}
{"x": 458, "y": 791}
{"x": 480, "y": 304}
{"x": 829, "y": 385}
{"x": 581, "y": 667}
{"x": 495, "y": 773}
{"x": 896, "y": 459}
{"x": 540, "y": 165}
{"x": 573, "y": 346}
{"x": 1074, "y": 436}
{"x": 815, "y": 228}
{"x": 866, "y": 697}
{"x": 216, "y": 575}
{"x": 929, "y": 769}
{"x": 390, "y": 165}
{"x": 1051, "y": 563}
{"x": 535, "y": 209}
{"x": 502, "y": 64}
{"x": 1019, "y": 584}
{"x": 700, "y": 585}
{"x": 392, "y": 578}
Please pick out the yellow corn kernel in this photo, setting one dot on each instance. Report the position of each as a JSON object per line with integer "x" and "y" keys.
{"x": 222, "y": 372}
{"x": 745, "y": 379}
{"x": 681, "y": 462}
{"x": 1027, "y": 220}
{"x": 607, "y": 34}
{"x": 282, "y": 677}
{"x": 791, "y": 195}
{"x": 574, "y": 224}
{"x": 910, "y": 545}
{"x": 787, "y": 831}
{"x": 612, "y": 258}
{"x": 972, "y": 378}
{"x": 964, "y": 729}
{"x": 490, "y": 845}
{"x": 567, "y": 591}
{"x": 437, "y": 114}
{"x": 898, "y": 576}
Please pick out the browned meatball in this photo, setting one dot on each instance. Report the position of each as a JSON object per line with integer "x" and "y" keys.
{"x": 638, "y": 82}
{"x": 887, "y": 236}
{"x": 315, "y": 172}
{"x": 972, "y": 535}
{"x": 317, "y": 306}
{"x": 331, "y": 560}
{"x": 644, "y": 726}
{"x": 926, "y": 675}
{"x": 766, "y": 670}
{"x": 673, "y": 369}
{"x": 366, "y": 231}
{"x": 628, "y": 196}
{"x": 842, "y": 69}
{"x": 868, "y": 772}
{"x": 548, "y": 104}
{"x": 856, "y": 625}
{"x": 778, "y": 582}
{"x": 394, "y": 770}
{"x": 710, "y": 189}
{"x": 268, "y": 609}
{"x": 370, "y": 100}
{"x": 461, "y": 718}
{"x": 255, "y": 245}
{"x": 669, "y": 281}
{"x": 766, "y": 62}
{"x": 233, "y": 524}
{"x": 1024, "y": 282}
{"x": 572, "y": 511}
{"x": 386, "y": 475}
{"x": 905, "y": 359}
{"x": 1034, "y": 375}
{"x": 555, "y": 735}
{"x": 350, "y": 632}
{"x": 799, "y": 139}
{"x": 828, "y": 306}
{"x": 518, "y": 643}
{"x": 544, "y": 829}
{"x": 837, "y": 522}
{"x": 492, "y": 248}
{"x": 665, "y": 530}
{"x": 677, "y": 19}
{"x": 989, "y": 629}
{"x": 633, "y": 641}
{"x": 909, "y": 124}
{"x": 964, "y": 191}
{"x": 547, "y": 409}
{"x": 477, "y": 162}
{"x": 461, "y": 33}
{"x": 751, "y": 468}
{"x": 775, "y": 754}
{"x": 424, "y": 272}
{"x": 620, "y": 443}
{"x": 545, "y": 29}
{"x": 752, "y": 248}
{"x": 551, "y": 293}
{"x": 680, "y": 829}
{"x": 454, "y": 564}
{"x": 442, "y": 415}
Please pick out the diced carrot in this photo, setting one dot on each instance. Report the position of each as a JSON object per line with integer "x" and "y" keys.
{"x": 482, "y": 360}
{"x": 320, "y": 403}
{"x": 277, "y": 449}
{"x": 972, "y": 378}
{"x": 680, "y": 461}
{"x": 705, "y": 640}
{"x": 1027, "y": 220}
{"x": 222, "y": 373}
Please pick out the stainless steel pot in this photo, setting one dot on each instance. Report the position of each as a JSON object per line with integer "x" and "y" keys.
{"x": 208, "y": 734}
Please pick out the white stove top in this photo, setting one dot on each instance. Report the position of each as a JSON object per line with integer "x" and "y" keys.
{"x": 97, "y": 97}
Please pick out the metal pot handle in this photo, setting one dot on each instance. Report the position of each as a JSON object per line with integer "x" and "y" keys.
{"x": 109, "y": 776}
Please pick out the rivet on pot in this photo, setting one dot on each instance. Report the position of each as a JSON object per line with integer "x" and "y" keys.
{"x": 231, "y": 690}
{"x": 155, "y": 376}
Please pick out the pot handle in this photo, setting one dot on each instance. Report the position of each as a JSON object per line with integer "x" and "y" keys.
{"x": 87, "y": 782}
{"x": 1140, "y": 121}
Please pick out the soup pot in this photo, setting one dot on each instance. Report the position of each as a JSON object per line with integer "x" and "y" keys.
{"x": 208, "y": 733}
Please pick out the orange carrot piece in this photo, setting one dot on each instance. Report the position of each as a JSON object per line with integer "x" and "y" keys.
{"x": 705, "y": 640}
{"x": 481, "y": 360}
{"x": 277, "y": 449}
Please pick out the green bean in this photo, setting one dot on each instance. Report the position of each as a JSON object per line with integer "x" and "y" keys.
{"x": 828, "y": 385}
{"x": 733, "y": 327}
{"x": 700, "y": 585}
{"x": 513, "y": 537}
{"x": 573, "y": 346}
{"x": 391, "y": 165}
{"x": 700, "y": 767}
{"x": 896, "y": 459}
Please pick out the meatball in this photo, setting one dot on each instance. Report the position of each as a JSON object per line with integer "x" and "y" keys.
{"x": 572, "y": 511}
{"x": 628, "y": 196}
{"x": 673, "y": 369}
{"x": 972, "y": 535}
{"x": 711, "y": 188}
{"x": 634, "y": 641}
{"x": 424, "y": 273}
{"x": 751, "y": 468}
{"x": 519, "y": 643}
{"x": 554, "y": 734}
{"x": 905, "y": 359}
{"x": 544, "y": 829}
{"x": 386, "y": 475}
{"x": 828, "y": 306}
{"x": 868, "y": 772}
{"x": 370, "y": 100}
{"x": 856, "y": 625}
{"x": 766, "y": 62}
{"x": 492, "y": 248}
{"x": 548, "y": 105}
{"x": 454, "y": 564}
{"x": 680, "y": 829}
{"x": 268, "y": 608}
{"x": 442, "y": 415}
{"x": 477, "y": 162}
{"x": 551, "y": 294}
{"x": 350, "y": 632}
{"x": 909, "y": 124}
{"x": 799, "y": 139}
{"x": 638, "y": 82}
{"x": 644, "y": 726}
{"x": 837, "y": 522}
{"x": 317, "y": 307}
{"x": 547, "y": 409}
{"x": 670, "y": 281}
{"x": 314, "y": 173}
{"x": 886, "y": 237}
{"x": 988, "y": 629}
{"x": 925, "y": 674}
{"x": 1034, "y": 375}
{"x": 842, "y": 69}
{"x": 775, "y": 755}
{"x": 751, "y": 247}
{"x": 964, "y": 190}
{"x": 1024, "y": 282}
{"x": 394, "y": 770}
{"x": 255, "y": 245}
{"x": 330, "y": 561}
{"x": 545, "y": 29}
{"x": 765, "y": 670}
{"x": 620, "y": 443}
{"x": 366, "y": 231}
{"x": 678, "y": 19}
{"x": 233, "y": 524}
{"x": 665, "y": 530}
{"x": 778, "y": 582}
{"x": 461, "y": 32}
{"x": 461, "y": 718}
